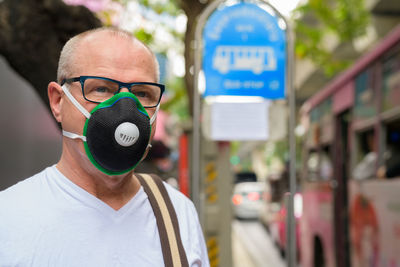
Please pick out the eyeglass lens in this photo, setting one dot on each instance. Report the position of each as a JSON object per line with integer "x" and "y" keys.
{"x": 99, "y": 90}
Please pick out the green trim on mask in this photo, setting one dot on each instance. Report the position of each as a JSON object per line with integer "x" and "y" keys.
{"x": 108, "y": 103}
{"x": 115, "y": 98}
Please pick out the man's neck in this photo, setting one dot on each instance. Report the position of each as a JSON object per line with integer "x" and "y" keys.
{"x": 115, "y": 191}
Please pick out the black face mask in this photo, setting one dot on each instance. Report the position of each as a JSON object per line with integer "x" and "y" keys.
{"x": 116, "y": 133}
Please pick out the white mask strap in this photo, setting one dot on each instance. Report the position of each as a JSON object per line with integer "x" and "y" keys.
{"x": 73, "y": 136}
{"x": 153, "y": 118}
{"x": 75, "y": 102}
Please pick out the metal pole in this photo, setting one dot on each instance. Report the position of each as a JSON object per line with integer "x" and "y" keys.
{"x": 292, "y": 255}
{"x": 291, "y": 222}
{"x": 198, "y": 47}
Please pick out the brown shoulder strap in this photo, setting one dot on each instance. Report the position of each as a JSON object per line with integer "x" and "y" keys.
{"x": 167, "y": 221}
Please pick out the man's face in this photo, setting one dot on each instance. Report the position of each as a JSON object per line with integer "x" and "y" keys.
{"x": 111, "y": 57}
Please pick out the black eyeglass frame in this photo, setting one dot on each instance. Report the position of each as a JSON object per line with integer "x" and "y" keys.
{"x": 121, "y": 85}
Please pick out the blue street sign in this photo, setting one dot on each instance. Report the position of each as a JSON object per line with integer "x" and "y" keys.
{"x": 244, "y": 53}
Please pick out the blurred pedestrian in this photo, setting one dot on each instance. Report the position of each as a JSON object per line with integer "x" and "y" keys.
{"x": 91, "y": 209}
{"x": 365, "y": 169}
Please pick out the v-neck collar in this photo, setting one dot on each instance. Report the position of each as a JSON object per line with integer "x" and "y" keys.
{"x": 89, "y": 200}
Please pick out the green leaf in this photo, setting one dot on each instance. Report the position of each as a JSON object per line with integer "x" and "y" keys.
{"x": 144, "y": 36}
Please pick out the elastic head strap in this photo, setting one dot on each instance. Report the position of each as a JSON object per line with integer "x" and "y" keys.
{"x": 153, "y": 118}
{"x": 73, "y": 135}
{"x": 75, "y": 102}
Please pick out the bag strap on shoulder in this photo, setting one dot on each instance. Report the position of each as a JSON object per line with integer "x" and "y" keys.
{"x": 167, "y": 221}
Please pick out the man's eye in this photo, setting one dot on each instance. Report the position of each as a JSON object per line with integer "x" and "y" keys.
{"x": 141, "y": 94}
{"x": 102, "y": 89}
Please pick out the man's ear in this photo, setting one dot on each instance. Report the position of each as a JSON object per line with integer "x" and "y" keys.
{"x": 55, "y": 93}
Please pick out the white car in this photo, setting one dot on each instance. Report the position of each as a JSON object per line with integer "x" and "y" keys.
{"x": 247, "y": 199}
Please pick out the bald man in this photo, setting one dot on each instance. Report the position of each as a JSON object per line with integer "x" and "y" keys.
{"x": 90, "y": 209}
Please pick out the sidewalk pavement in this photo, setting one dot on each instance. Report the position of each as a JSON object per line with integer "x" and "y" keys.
{"x": 252, "y": 246}
{"x": 241, "y": 257}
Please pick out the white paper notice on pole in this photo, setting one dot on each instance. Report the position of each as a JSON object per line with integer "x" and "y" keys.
{"x": 237, "y": 121}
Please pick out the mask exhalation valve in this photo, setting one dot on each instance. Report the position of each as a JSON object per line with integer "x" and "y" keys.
{"x": 126, "y": 134}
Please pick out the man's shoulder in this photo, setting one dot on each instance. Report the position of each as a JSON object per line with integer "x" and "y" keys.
{"x": 25, "y": 191}
{"x": 182, "y": 204}
{"x": 175, "y": 194}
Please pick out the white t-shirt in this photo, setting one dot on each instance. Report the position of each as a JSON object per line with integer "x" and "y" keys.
{"x": 46, "y": 220}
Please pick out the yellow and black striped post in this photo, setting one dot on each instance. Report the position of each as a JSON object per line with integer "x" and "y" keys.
{"x": 211, "y": 183}
{"x": 217, "y": 185}
{"x": 213, "y": 251}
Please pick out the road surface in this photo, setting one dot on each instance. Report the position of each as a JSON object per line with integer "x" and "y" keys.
{"x": 252, "y": 246}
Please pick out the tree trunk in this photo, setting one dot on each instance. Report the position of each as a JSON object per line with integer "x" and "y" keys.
{"x": 32, "y": 34}
{"x": 193, "y": 9}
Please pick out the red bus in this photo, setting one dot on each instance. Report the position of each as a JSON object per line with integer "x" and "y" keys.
{"x": 350, "y": 180}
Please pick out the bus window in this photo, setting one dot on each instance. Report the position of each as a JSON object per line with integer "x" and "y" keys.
{"x": 391, "y": 81}
{"x": 366, "y": 166}
{"x": 365, "y": 96}
{"x": 326, "y": 168}
{"x": 312, "y": 166}
{"x": 319, "y": 165}
{"x": 391, "y": 167}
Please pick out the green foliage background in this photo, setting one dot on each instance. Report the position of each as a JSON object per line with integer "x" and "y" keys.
{"x": 314, "y": 20}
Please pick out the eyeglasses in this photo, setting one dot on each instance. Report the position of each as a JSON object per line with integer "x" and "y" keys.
{"x": 98, "y": 89}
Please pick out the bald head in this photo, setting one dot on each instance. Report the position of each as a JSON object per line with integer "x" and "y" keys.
{"x": 69, "y": 57}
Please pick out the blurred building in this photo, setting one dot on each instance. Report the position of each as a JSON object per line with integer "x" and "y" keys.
{"x": 309, "y": 78}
